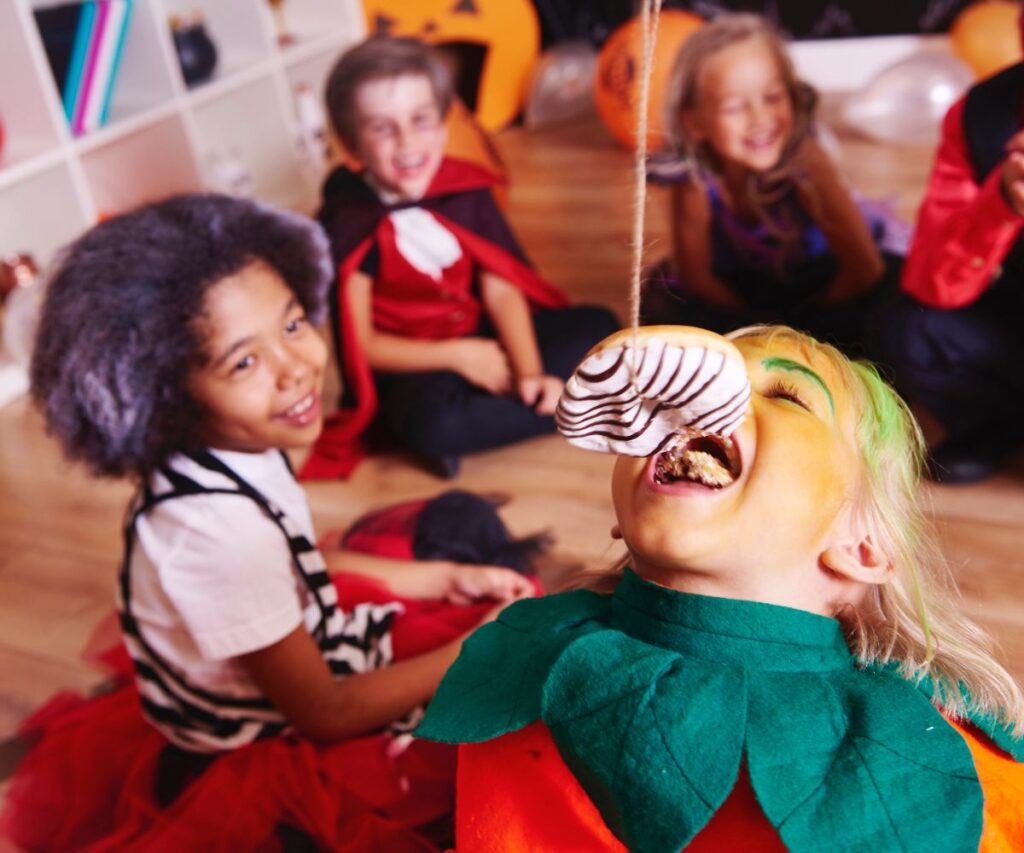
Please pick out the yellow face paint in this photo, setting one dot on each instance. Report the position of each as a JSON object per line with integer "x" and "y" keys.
{"x": 759, "y": 537}
{"x": 786, "y": 364}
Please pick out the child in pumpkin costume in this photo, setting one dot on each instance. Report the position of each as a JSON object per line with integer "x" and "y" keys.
{"x": 776, "y": 667}
{"x": 449, "y": 340}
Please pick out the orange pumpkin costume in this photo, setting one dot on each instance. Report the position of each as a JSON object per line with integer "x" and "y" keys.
{"x": 535, "y": 803}
{"x": 655, "y": 720}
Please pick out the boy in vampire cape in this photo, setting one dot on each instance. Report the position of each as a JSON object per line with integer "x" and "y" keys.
{"x": 777, "y": 663}
{"x": 447, "y": 338}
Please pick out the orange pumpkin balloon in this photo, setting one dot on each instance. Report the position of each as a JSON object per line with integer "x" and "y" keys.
{"x": 987, "y": 37}
{"x": 505, "y": 32}
{"x": 619, "y": 66}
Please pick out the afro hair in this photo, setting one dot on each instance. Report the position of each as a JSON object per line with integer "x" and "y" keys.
{"x": 117, "y": 336}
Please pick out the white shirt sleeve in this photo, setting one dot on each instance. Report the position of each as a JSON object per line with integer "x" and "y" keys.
{"x": 227, "y": 570}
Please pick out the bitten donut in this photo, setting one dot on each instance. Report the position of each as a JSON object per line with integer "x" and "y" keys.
{"x": 681, "y": 392}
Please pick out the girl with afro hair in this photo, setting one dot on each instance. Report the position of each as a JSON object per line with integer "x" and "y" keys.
{"x": 176, "y": 347}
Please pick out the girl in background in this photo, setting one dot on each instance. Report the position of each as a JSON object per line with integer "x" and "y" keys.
{"x": 764, "y": 228}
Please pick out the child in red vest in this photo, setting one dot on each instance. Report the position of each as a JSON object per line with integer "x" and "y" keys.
{"x": 449, "y": 340}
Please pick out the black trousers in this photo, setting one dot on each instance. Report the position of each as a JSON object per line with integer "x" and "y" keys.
{"x": 798, "y": 304}
{"x": 439, "y": 413}
{"x": 964, "y": 365}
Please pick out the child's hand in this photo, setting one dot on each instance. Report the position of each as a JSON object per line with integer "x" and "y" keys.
{"x": 483, "y": 363}
{"x": 472, "y": 583}
{"x": 540, "y": 393}
{"x": 1013, "y": 174}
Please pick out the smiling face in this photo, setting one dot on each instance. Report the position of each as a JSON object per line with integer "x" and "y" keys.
{"x": 260, "y": 383}
{"x": 761, "y": 537}
{"x": 743, "y": 108}
{"x": 400, "y": 133}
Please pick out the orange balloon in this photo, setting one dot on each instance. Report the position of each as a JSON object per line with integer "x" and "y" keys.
{"x": 987, "y": 37}
{"x": 619, "y": 66}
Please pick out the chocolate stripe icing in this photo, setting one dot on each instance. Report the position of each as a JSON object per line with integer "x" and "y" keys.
{"x": 630, "y": 403}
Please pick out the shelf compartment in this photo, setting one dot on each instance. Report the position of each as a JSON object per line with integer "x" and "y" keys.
{"x": 144, "y": 82}
{"x": 237, "y": 34}
{"x": 249, "y": 124}
{"x": 310, "y": 18}
{"x": 332, "y": 43}
{"x": 41, "y": 213}
{"x": 28, "y": 102}
{"x": 312, "y": 72}
{"x": 154, "y": 162}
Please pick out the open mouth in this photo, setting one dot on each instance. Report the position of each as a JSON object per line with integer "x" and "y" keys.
{"x": 411, "y": 168}
{"x": 707, "y": 459}
{"x": 303, "y": 412}
{"x": 762, "y": 141}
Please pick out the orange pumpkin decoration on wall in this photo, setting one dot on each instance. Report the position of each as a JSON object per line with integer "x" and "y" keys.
{"x": 495, "y": 44}
{"x": 619, "y": 66}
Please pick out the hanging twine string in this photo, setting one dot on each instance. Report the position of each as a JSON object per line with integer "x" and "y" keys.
{"x": 649, "y": 15}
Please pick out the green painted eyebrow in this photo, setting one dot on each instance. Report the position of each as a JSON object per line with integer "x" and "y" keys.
{"x": 797, "y": 367}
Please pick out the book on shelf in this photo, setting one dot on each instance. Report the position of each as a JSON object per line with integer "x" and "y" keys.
{"x": 84, "y": 42}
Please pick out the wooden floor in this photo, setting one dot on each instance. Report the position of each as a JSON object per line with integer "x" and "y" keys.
{"x": 571, "y": 205}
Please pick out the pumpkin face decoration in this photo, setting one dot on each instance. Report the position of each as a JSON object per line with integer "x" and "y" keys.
{"x": 619, "y": 66}
{"x": 495, "y": 44}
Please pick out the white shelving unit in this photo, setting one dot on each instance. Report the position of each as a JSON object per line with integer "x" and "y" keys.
{"x": 162, "y": 136}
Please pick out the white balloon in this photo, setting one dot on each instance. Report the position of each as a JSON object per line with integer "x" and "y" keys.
{"x": 905, "y": 102}
{"x": 562, "y": 84}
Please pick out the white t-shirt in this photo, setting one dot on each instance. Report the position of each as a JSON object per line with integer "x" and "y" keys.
{"x": 212, "y": 576}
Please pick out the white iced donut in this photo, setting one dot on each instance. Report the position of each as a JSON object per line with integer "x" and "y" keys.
{"x": 680, "y": 379}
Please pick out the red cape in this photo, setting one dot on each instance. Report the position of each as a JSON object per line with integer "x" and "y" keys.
{"x": 460, "y": 198}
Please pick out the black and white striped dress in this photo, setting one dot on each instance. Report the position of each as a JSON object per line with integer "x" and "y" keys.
{"x": 204, "y": 705}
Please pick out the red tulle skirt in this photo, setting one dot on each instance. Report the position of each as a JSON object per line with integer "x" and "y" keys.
{"x": 89, "y": 780}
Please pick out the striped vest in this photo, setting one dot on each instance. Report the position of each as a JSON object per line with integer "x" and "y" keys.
{"x": 199, "y": 720}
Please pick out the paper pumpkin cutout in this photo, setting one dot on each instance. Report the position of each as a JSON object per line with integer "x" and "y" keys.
{"x": 619, "y": 66}
{"x": 496, "y": 42}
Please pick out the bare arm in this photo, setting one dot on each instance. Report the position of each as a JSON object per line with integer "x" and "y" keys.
{"x": 508, "y": 310}
{"x": 692, "y": 237}
{"x": 455, "y": 582}
{"x": 294, "y": 676}
{"x": 825, "y": 197}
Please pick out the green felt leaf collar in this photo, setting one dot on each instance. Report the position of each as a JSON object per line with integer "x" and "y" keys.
{"x": 655, "y": 698}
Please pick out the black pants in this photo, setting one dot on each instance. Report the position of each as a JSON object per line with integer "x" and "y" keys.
{"x": 440, "y": 413}
{"x": 964, "y": 365}
{"x": 798, "y": 304}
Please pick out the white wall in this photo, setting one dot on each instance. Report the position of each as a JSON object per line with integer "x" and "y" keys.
{"x": 846, "y": 65}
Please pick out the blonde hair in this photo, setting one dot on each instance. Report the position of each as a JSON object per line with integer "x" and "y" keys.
{"x": 915, "y": 621}
{"x": 684, "y": 86}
